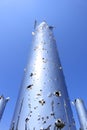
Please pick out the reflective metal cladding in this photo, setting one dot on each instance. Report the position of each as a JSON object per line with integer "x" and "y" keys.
{"x": 3, "y": 102}
{"x": 43, "y": 102}
{"x": 82, "y": 113}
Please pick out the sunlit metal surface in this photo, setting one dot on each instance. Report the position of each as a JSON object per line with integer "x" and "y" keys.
{"x": 3, "y": 102}
{"x": 43, "y": 102}
{"x": 82, "y": 113}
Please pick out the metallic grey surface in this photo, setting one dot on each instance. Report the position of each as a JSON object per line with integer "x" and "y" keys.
{"x": 3, "y": 102}
{"x": 82, "y": 113}
{"x": 43, "y": 102}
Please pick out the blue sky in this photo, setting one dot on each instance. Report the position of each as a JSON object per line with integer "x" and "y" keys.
{"x": 17, "y": 17}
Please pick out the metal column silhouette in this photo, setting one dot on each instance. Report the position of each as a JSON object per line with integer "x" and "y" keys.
{"x": 82, "y": 113}
{"x": 3, "y": 102}
{"x": 43, "y": 102}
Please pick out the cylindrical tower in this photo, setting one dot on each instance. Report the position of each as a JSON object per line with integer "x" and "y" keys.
{"x": 82, "y": 113}
{"x": 43, "y": 102}
{"x": 3, "y": 102}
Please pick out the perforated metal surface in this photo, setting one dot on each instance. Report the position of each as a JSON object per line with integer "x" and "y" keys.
{"x": 43, "y": 103}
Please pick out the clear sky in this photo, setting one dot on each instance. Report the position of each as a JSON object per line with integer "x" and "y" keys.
{"x": 69, "y": 17}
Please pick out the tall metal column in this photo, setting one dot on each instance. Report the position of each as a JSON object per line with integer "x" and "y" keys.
{"x": 3, "y": 102}
{"x": 43, "y": 102}
{"x": 82, "y": 113}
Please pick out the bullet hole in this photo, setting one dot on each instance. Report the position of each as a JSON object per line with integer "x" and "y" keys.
{"x": 44, "y": 122}
{"x": 38, "y": 119}
{"x": 36, "y": 107}
{"x": 31, "y": 74}
{"x": 42, "y": 102}
{"x": 52, "y": 114}
{"x": 38, "y": 94}
{"x": 44, "y": 60}
{"x": 57, "y": 93}
{"x": 75, "y": 100}
{"x": 47, "y": 117}
{"x": 42, "y": 118}
{"x": 44, "y": 82}
{"x": 30, "y": 86}
{"x": 51, "y": 27}
{"x": 58, "y": 103}
{"x": 59, "y": 123}
{"x": 27, "y": 119}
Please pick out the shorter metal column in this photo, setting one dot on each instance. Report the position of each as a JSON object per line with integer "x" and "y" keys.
{"x": 82, "y": 113}
{"x": 3, "y": 102}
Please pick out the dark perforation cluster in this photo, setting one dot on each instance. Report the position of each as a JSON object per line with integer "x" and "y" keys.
{"x": 59, "y": 123}
{"x": 42, "y": 102}
{"x": 57, "y": 93}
